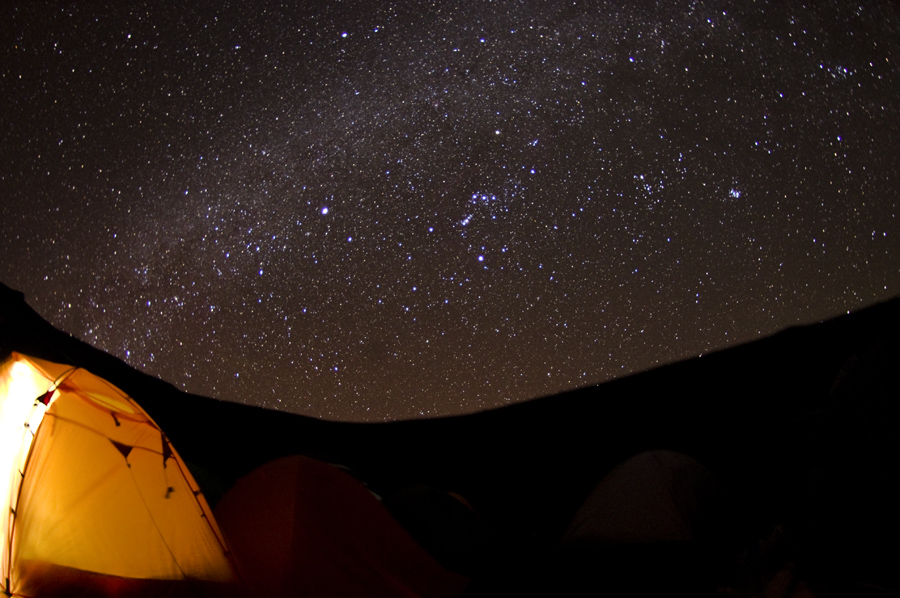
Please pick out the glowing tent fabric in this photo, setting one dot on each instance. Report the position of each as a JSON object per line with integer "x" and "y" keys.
{"x": 93, "y": 493}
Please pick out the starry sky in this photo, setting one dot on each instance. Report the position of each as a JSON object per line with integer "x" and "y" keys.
{"x": 365, "y": 211}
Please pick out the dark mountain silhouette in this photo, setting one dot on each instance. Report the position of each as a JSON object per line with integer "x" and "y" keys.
{"x": 799, "y": 427}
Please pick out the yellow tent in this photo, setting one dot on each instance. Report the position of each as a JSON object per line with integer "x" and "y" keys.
{"x": 94, "y": 496}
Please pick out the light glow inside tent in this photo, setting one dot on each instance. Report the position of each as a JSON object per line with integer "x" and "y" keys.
{"x": 90, "y": 484}
{"x": 20, "y": 414}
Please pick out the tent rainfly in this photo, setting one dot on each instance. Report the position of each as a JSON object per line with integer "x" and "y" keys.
{"x": 93, "y": 496}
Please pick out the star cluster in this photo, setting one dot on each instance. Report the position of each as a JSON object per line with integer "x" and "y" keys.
{"x": 371, "y": 211}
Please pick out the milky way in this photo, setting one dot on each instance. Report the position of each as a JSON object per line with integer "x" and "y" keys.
{"x": 365, "y": 211}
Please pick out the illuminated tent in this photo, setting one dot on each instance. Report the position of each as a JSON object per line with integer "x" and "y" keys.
{"x": 93, "y": 496}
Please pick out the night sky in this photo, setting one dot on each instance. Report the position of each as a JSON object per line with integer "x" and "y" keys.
{"x": 356, "y": 210}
